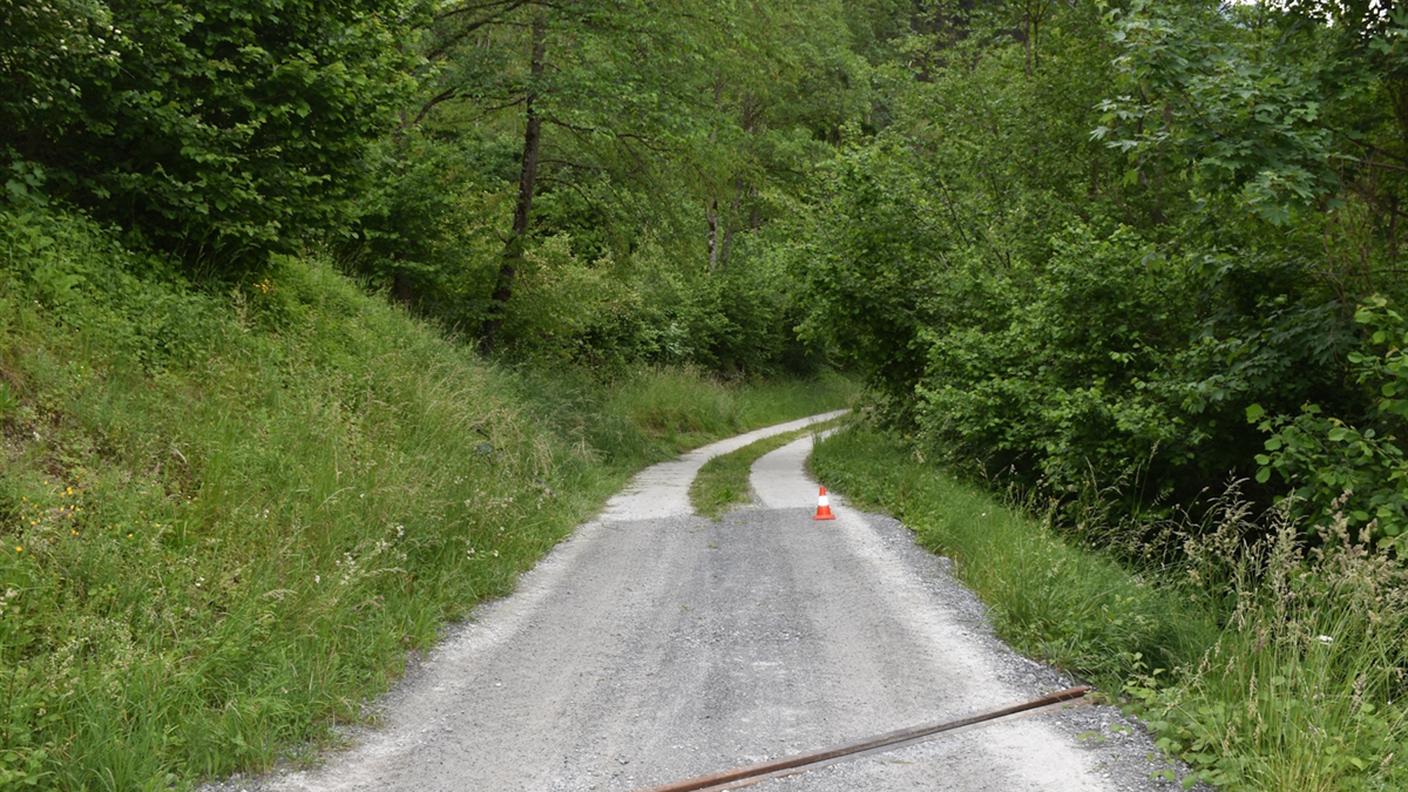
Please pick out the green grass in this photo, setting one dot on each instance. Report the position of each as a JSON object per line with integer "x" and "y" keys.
{"x": 1265, "y": 667}
{"x": 1063, "y": 604}
{"x": 723, "y": 481}
{"x": 229, "y": 513}
{"x": 1304, "y": 689}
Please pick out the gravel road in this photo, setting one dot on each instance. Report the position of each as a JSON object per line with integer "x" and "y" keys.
{"x": 656, "y": 645}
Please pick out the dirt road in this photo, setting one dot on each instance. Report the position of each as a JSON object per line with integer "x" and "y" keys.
{"x": 655, "y": 645}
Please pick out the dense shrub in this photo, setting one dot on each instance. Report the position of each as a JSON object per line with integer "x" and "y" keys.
{"x": 222, "y": 132}
{"x": 1079, "y": 276}
{"x": 1355, "y": 468}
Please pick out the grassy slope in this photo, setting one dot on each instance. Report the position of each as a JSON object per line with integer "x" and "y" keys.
{"x": 1298, "y": 692}
{"x": 723, "y": 481}
{"x": 227, "y": 515}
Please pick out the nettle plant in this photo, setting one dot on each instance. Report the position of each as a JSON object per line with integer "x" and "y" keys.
{"x": 1357, "y": 469}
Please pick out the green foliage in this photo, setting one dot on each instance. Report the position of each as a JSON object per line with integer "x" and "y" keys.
{"x": 228, "y": 514}
{"x": 428, "y": 227}
{"x": 1191, "y": 88}
{"x": 1074, "y": 264}
{"x": 221, "y": 133}
{"x": 1065, "y": 384}
{"x": 1337, "y": 467}
{"x": 864, "y": 264}
{"x": 669, "y": 136}
{"x": 1074, "y": 267}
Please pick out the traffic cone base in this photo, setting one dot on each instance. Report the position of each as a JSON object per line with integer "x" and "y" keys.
{"x": 823, "y": 507}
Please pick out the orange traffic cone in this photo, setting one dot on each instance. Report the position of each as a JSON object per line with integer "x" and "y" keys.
{"x": 823, "y": 507}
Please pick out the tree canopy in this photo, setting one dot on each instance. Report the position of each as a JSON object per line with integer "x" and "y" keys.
{"x": 1077, "y": 245}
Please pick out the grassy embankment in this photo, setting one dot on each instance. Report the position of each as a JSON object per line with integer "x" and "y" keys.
{"x": 229, "y": 513}
{"x": 723, "y": 481}
{"x": 1266, "y": 666}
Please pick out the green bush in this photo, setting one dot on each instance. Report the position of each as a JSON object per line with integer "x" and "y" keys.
{"x": 427, "y": 228}
{"x": 221, "y": 132}
{"x": 1061, "y": 389}
{"x": 1337, "y": 467}
{"x": 1075, "y": 277}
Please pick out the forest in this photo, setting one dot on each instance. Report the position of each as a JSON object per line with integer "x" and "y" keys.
{"x": 1135, "y": 267}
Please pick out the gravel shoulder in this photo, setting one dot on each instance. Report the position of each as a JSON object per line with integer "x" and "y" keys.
{"x": 655, "y": 645}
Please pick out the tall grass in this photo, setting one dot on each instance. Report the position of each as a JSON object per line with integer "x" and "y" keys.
{"x": 1303, "y": 689}
{"x": 1265, "y": 664}
{"x": 228, "y": 513}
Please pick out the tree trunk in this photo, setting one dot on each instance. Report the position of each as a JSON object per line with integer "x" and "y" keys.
{"x": 711, "y": 216}
{"x": 402, "y": 291}
{"x": 735, "y": 207}
{"x": 527, "y": 181}
{"x": 711, "y": 210}
{"x": 752, "y": 111}
{"x": 1036, "y": 36}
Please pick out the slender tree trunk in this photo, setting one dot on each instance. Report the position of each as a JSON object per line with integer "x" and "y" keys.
{"x": 402, "y": 291}
{"x": 735, "y": 207}
{"x": 527, "y": 182}
{"x": 1027, "y": 45}
{"x": 711, "y": 210}
{"x": 1036, "y": 42}
{"x": 752, "y": 111}
{"x": 922, "y": 21}
{"x": 727, "y": 244}
{"x": 1033, "y": 12}
{"x": 711, "y": 216}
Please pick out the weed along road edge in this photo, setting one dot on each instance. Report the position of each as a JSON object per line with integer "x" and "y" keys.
{"x": 656, "y": 645}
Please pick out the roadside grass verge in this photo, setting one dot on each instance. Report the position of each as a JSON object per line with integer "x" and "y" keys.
{"x": 723, "y": 481}
{"x": 228, "y": 513}
{"x": 1305, "y": 687}
{"x": 1265, "y": 666}
{"x": 1052, "y": 601}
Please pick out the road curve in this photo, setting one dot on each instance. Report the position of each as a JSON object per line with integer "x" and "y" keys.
{"x": 655, "y": 645}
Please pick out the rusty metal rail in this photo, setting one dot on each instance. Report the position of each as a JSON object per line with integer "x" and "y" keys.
{"x": 744, "y": 776}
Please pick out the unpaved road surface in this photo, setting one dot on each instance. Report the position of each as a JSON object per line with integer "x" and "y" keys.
{"x": 656, "y": 645}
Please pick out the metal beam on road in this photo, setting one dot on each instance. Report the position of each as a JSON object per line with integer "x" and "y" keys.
{"x": 753, "y": 773}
